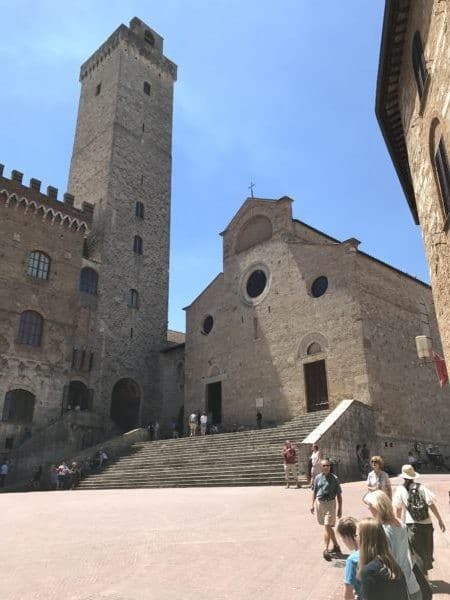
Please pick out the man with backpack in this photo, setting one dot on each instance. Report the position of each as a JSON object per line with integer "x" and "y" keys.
{"x": 413, "y": 503}
{"x": 290, "y": 463}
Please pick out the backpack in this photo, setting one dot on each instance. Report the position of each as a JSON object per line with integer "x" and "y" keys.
{"x": 417, "y": 505}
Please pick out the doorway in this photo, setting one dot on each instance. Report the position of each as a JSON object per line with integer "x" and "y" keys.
{"x": 214, "y": 401}
{"x": 125, "y": 404}
{"x": 316, "y": 386}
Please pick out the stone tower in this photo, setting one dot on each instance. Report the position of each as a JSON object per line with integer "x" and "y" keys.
{"x": 122, "y": 163}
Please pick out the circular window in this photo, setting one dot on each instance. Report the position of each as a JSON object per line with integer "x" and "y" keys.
{"x": 208, "y": 324}
{"x": 256, "y": 283}
{"x": 319, "y": 286}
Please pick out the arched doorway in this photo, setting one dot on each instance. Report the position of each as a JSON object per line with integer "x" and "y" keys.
{"x": 79, "y": 397}
{"x": 18, "y": 406}
{"x": 125, "y": 403}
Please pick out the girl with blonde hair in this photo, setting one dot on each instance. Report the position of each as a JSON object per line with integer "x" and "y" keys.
{"x": 380, "y": 575}
{"x": 397, "y": 536}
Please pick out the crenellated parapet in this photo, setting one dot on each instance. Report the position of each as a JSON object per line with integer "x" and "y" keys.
{"x": 142, "y": 38}
{"x": 14, "y": 194}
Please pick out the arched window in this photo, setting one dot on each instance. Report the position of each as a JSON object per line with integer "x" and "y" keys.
{"x": 137, "y": 244}
{"x": 313, "y": 348}
{"x": 18, "y": 406}
{"x": 441, "y": 167}
{"x": 419, "y": 65}
{"x": 133, "y": 299}
{"x": 139, "y": 210}
{"x": 88, "y": 281}
{"x": 30, "y": 328}
{"x": 38, "y": 265}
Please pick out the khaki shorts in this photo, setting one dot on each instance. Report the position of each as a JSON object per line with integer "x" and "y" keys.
{"x": 326, "y": 512}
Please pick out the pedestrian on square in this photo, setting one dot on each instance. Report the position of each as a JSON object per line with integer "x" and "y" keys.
{"x": 203, "y": 423}
{"x": 326, "y": 490}
{"x": 62, "y": 475}
{"x": 381, "y": 508}
{"x": 192, "y": 424}
{"x": 413, "y": 503}
{"x": 347, "y": 529}
{"x": 380, "y": 575}
{"x": 258, "y": 419}
{"x": 316, "y": 459}
{"x": 4, "y": 470}
{"x": 290, "y": 463}
{"x": 378, "y": 479}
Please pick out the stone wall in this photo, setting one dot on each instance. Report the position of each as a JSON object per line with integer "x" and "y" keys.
{"x": 171, "y": 368}
{"x": 424, "y": 123}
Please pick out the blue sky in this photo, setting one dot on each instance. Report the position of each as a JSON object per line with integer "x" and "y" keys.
{"x": 281, "y": 93}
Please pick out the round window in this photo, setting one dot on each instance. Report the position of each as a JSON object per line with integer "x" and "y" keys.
{"x": 208, "y": 324}
{"x": 256, "y": 283}
{"x": 319, "y": 286}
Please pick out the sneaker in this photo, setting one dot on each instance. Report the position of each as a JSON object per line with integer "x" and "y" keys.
{"x": 326, "y": 555}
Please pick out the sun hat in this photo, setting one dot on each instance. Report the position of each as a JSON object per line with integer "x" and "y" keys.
{"x": 408, "y": 472}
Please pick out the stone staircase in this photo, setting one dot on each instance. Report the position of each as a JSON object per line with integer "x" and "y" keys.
{"x": 228, "y": 459}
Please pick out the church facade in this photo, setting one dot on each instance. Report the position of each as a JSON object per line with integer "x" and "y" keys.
{"x": 299, "y": 321}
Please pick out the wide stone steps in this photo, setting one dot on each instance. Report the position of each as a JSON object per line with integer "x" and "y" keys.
{"x": 242, "y": 458}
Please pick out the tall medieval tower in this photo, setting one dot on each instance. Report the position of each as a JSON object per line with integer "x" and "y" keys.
{"x": 122, "y": 164}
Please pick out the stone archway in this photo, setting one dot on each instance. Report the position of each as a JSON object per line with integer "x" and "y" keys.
{"x": 78, "y": 396}
{"x": 125, "y": 404}
{"x": 19, "y": 406}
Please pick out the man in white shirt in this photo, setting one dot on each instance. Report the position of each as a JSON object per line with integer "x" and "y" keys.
{"x": 193, "y": 424}
{"x": 203, "y": 423}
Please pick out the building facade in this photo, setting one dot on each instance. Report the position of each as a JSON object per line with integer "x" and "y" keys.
{"x": 88, "y": 278}
{"x": 412, "y": 105}
{"x": 299, "y": 321}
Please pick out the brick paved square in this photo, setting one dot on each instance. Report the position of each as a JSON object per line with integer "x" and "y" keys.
{"x": 196, "y": 543}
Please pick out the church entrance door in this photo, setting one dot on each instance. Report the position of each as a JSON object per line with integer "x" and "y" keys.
{"x": 316, "y": 386}
{"x": 125, "y": 402}
{"x": 214, "y": 401}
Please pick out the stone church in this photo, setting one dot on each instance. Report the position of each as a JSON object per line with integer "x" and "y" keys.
{"x": 296, "y": 321}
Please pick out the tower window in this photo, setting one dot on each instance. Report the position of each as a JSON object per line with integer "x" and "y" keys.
{"x": 133, "y": 299}
{"x": 137, "y": 244}
{"x": 30, "y": 328}
{"x": 38, "y": 265}
{"x": 139, "y": 210}
{"x": 88, "y": 281}
{"x": 148, "y": 37}
{"x": 419, "y": 65}
{"x": 146, "y": 88}
{"x": 98, "y": 89}
{"x": 319, "y": 286}
{"x": 443, "y": 175}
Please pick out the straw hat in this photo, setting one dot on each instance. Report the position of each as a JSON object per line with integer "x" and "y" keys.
{"x": 408, "y": 472}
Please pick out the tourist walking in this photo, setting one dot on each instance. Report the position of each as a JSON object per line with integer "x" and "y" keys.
{"x": 380, "y": 506}
{"x": 4, "y": 470}
{"x": 380, "y": 575}
{"x": 378, "y": 479}
{"x": 258, "y": 419}
{"x": 290, "y": 463}
{"x": 315, "y": 458}
{"x": 203, "y": 423}
{"x": 347, "y": 529}
{"x": 413, "y": 503}
{"x": 326, "y": 490}
{"x": 62, "y": 475}
{"x": 192, "y": 424}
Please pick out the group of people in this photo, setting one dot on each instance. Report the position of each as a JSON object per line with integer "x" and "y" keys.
{"x": 290, "y": 460}
{"x": 196, "y": 420}
{"x": 67, "y": 477}
{"x": 391, "y": 552}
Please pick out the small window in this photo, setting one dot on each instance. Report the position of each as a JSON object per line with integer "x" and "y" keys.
{"x": 146, "y": 88}
{"x": 30, "y": 328}
{"x": 9, "y": 443}
{"x": 443, "y": 175}
{"x": 319, "y": 286}
{"x": 419, "y": 65}
{"x": 137, "y": 244}
{"x": 85, "y": 248}
{"x": 148, "y": 37}
{"x": 38, "y": 265}
{"x": 133, "y": 299}
{"x": 256, "y": 283}
{"x": 139, "y": 210}
{"x": 88, "y": 281}
{"x": 208, "y": 323}
{"x": 98, "y": 89}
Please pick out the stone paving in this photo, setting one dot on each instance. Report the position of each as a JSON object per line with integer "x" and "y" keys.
{"x": 195, "y": 543}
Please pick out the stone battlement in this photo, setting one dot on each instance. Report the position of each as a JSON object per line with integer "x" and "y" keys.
{"x": 145, "y": 41}
{"x": 14, "y": 191}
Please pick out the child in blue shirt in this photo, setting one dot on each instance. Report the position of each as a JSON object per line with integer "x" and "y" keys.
{"x": 346, "y": 528}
